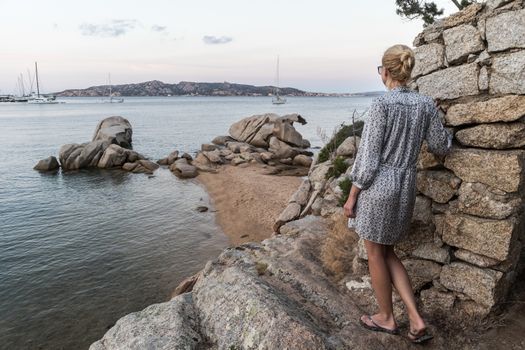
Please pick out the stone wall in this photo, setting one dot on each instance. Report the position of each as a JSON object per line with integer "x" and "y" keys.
{"x": 464, "y": 245}
{"x": 468, "y": 222}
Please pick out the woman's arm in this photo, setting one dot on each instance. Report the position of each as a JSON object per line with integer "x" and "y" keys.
{"x": 438, "y": 138}
{"x": 354, "y": 191}
{"x": 370, "y": 148}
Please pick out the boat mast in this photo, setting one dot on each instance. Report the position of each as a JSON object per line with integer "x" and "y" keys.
{"x": 22, "y": 84}
{"x": 109, "y": 82}
{"x": 37, "y": 87}
{"x": 30, "y": 82}
{"x": 277, "y": 92}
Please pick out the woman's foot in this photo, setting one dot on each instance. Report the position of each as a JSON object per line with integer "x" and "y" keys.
{"x": 420, "y": 337}
{"x": 379, "y": 321}
{"x": 418, "y": 331}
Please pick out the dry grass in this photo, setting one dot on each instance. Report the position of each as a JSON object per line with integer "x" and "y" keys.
{"x": 338, "y": 250}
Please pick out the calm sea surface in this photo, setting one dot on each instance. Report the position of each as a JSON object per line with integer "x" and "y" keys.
{"x": 82, "y": 249}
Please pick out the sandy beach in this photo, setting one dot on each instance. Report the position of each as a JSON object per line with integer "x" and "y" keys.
{"x": 247, "y": 200}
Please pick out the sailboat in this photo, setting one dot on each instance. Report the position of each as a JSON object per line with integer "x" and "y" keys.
{"x": 112, "y": 99}
{"x": 40, "y": 99}
{"x": 278, "y": 100}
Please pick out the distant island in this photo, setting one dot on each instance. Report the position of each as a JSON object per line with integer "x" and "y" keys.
{"x": 187, "y": 88}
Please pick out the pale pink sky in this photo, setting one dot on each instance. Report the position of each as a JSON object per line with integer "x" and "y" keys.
{"x": 329, "y": 46}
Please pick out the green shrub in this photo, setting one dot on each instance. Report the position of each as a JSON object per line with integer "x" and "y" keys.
{"x": 338, "y": 167}
{"x": 342, "y": 134}
{"x": 345, "y": 185}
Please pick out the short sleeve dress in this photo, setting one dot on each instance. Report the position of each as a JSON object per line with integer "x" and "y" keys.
{"x": 385, "y": 164}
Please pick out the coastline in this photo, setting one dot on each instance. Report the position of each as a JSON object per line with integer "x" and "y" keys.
{"x": 247, "y": 200}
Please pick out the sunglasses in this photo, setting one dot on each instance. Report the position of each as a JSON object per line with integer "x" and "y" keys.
{"x": 379, "y": 69}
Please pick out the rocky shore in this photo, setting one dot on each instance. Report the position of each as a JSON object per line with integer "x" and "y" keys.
{"x": 301, "y": 280}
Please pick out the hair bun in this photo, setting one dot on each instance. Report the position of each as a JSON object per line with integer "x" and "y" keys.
{"x": 399, "y": 60}
{"x": 407, "y": 59}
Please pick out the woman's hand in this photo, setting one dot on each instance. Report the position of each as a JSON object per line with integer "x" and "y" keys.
{"x": 349, "y": 206}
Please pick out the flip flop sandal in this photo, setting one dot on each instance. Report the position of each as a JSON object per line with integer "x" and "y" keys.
{"x": 418, "y": 339}
{"x": 378, "y": 328}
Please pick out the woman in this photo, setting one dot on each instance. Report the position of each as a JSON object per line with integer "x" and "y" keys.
{"x": 384, "y": 184}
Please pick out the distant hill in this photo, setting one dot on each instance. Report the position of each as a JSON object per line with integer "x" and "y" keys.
{"x": 185, "y": 88}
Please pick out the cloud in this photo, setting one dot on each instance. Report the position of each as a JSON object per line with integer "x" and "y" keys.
{"x": 213, "y": 40}
{"x": 113, "y": 28}
{"x": 157, "y": 28}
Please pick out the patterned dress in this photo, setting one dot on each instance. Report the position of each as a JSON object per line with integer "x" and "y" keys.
{"x": 385, "y": 163}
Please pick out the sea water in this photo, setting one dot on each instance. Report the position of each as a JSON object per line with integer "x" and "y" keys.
{"x": 79, "y": 250}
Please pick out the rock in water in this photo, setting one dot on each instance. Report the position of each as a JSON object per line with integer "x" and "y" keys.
{"x": 114, "y": 156}
{"x": 48, "y": 164}
{"x": 115, "y": 130}
{"x": 183, "y": 169}
{"x": 258, "y": 129}
{"x": 111, "y": 147}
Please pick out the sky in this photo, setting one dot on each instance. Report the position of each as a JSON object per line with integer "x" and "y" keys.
{"x": 323, "y": 46}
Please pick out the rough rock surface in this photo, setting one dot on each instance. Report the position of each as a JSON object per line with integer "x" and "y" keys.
{"x": 505, "y": 109}
{"x": 450, "y": 83}
{"x": 494, "y": 135}
{"x": 482, "y": 285}
{"x": 429, "y": 58}
{"x": 48, "y": 164}
{"x": 115, "y": 130}
{"x": 487, "y": 237}
{"x": 461, "y": 41}
{"x": 267, "y": 139}
{"x": 183, "y": 169}
{"x": 169, "y": 325}
{"x": 256, "y": 130}
{"x": 478, "y": 199}
{"x": 496, "y": 168}
{"x": 506, "y": 30}
{"x": 109, "y": 148}
{"x": 508, "y": 74}
{"x": 440, "y": 185}
{"x": 269, "y": 295}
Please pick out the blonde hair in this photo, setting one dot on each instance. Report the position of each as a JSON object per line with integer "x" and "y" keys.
{"x": 399, "y": 60}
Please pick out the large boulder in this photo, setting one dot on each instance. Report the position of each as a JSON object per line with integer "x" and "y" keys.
{"x": 348, "y": 146}
{"x": 283, "y": 129}
{"x": 48, "y": 164}
{"x": 109, "y": 148}
{"x": 258, "y": 129}
{"x": 76, "y": 156}
{"x": 246, "y": 129}
{"x": 116, "y": 156}
{"x": 168, "y": 325}
{"x": 183, "y": 169}
{"x": 281, "y": 149}
{"x": 115, "y": 130}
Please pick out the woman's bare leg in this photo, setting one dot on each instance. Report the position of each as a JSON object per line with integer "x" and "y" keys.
{"x": 401, "y": 281}
{"x": 382, "y": 284}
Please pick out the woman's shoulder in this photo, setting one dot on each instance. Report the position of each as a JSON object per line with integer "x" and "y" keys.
{"x": 406, "y": 97}
{"x": 424, "y": 97}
